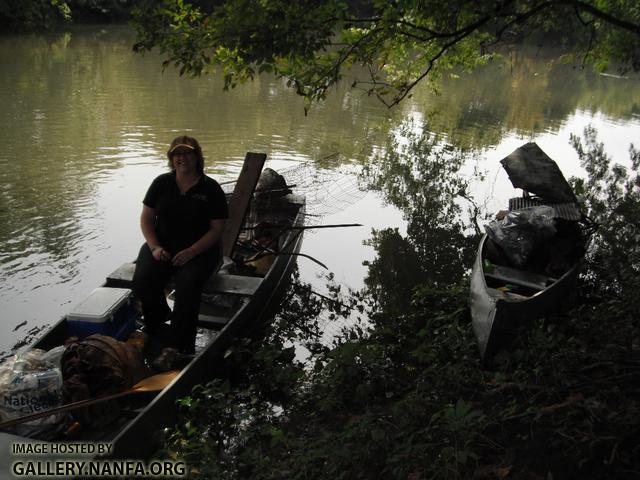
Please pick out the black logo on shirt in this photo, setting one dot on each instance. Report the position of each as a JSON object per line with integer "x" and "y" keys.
{"x": 199, "y": 196}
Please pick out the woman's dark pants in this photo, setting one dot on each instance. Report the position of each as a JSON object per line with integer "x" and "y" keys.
{"x": 149, "y": 281}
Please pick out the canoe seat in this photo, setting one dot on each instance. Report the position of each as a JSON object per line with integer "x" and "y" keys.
{"x": 212, "y": 322}
{"x": 122, "y": 277}
{"x": 521, "y": 278}
{"x": 218, "y": 285}
{"x": 232, "y": 284}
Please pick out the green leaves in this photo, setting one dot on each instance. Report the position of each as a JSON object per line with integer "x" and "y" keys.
{"x": 395, "y": 44}
{"x": 611, "y": 195}
{"x": 461, "y": 417}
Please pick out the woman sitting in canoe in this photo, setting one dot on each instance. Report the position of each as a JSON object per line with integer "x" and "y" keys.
{"x": 182, "y": 220}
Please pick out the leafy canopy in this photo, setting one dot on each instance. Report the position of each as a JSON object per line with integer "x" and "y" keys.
{"x": 394, "y": 45}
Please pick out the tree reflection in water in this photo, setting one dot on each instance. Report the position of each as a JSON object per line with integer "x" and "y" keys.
{"x": 420, "y": 175}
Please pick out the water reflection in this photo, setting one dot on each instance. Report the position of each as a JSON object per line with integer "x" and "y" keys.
{"x": 420, "y": 175}
{"x": 85, "y": 124}
{"x": 527, "y": 93}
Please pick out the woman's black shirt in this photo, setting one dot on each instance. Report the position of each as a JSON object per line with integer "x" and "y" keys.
{"x": 181, "y": 220}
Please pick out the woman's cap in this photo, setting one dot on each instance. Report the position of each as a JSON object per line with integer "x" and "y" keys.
{"x": 181, "y": 145}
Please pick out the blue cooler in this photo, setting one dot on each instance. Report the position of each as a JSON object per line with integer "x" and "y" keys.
{"x": 107, "y": 311}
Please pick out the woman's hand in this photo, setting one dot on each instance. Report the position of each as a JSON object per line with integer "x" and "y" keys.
{"x": 183, "y": 256}
{"x": 160, "y": 254}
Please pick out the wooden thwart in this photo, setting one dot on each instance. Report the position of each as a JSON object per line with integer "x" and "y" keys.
{"x": 233, "y": 284}
{"x": 214, "y": 322}
{"x": 217, "y": 283}
{"x": 122, "y": 277}
{"x": 519, "y": 277}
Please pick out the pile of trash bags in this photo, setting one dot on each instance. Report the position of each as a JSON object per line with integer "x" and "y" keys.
{"x": 31, "y": 382}
{"x": 520, "y": 231}
{"x": 38, "y": 380}
{"x": 536, "y": 240}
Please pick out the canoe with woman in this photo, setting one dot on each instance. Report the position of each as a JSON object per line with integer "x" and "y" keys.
{"x": 212, "y": 267}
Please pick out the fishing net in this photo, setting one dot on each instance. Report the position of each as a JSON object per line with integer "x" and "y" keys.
{"x": 328, "y": 189}
{"x": 329, "y": 186}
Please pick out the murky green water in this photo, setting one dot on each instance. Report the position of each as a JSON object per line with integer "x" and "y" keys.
{"x": 84, "y": 125}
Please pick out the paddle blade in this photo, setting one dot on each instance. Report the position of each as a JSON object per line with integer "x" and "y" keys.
{"x": 155, "y": 383}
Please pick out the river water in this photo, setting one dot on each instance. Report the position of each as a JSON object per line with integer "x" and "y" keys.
{"x": 84, "y": 125}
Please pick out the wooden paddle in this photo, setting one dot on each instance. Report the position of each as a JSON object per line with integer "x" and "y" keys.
{"x": 154, "y": 383}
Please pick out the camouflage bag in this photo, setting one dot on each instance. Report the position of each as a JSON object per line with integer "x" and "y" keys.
{"x": 97, "y": 366}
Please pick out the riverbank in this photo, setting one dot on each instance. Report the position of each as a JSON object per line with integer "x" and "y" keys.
{"x": 412, "y": 401}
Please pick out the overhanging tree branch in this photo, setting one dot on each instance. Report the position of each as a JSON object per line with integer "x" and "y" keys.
{"x": 310, "y": 43}
{"x": 611, "y": 19}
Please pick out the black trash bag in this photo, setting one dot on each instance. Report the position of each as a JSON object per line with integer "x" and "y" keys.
{"x": 520, "y": 231}
{"x": 271, "y": 184}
